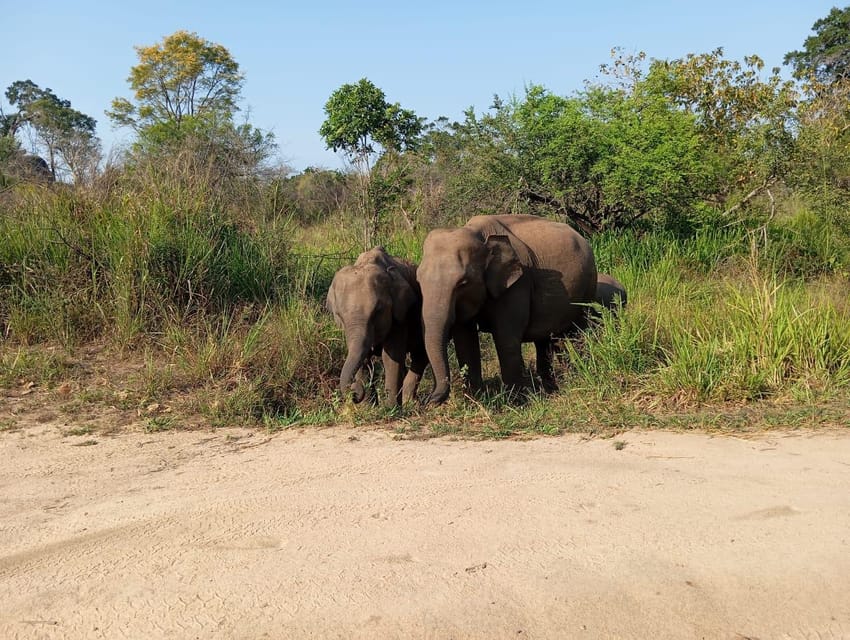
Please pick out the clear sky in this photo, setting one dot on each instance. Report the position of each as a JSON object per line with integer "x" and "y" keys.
{"x": 437, "y": 58}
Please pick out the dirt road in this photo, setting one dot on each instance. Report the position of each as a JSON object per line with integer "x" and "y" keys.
{"x": 351, "y": 534}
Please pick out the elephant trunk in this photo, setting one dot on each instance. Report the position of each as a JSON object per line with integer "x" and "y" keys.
{"x": 358, "y": 351}
{"x": 436, "y": 327}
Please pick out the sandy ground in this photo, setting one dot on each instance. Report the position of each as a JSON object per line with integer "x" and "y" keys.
{"x": 351, "y": 534}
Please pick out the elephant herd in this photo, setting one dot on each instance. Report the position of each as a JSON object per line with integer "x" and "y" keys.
{"x": 519, "y": 277}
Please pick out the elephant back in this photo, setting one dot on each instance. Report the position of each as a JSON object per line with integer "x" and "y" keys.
{"x": 557, "y": 255}
{"x": 610, "y": 292}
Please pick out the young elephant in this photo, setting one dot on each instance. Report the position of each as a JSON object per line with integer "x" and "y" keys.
{"x": 610, "y": 293}
{"x": 377, "y": 302}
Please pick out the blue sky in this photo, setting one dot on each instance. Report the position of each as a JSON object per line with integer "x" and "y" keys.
{"x": 436, "y": 58}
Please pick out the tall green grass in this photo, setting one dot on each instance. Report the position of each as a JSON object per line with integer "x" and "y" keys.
{"x": 737, "y": 331}
{"x": 225, "y": 302}
{"x": 77, "y": 268}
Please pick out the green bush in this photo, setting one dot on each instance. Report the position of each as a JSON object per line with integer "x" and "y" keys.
{"x": 806, "y": 245}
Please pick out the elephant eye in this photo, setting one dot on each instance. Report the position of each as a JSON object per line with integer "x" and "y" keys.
{"x": 463, "y": 282}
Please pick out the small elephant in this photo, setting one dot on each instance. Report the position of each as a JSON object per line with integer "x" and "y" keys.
{"x": 610, "y": 293}
{"x": 377, "y": 302}
{"x": 522, "y": 278}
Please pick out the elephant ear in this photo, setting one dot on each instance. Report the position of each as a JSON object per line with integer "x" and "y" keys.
{"x": 329, "y": 300}
{"x": 330, "y": 304}
{"x": 503, "y": 266}
{"x": 402, "y": 294}
{"x": 382, "y": 257}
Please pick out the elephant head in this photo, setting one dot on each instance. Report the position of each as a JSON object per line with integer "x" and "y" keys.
{"x": 460, "y": 270}
{"x": 366, "y": 298}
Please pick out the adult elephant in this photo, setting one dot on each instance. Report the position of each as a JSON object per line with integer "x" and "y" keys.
{"x": 520, "y": 277}
{"x": 377, "y": 303}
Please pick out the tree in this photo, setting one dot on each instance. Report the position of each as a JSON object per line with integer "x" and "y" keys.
{"x": 183, "y": 76}
{"x": 825, "y": 56}
{"x": 364, "y": 126}
{"x": 186, "y": 91}
{"x": 744, "y": 118}
{"x": 822, "y": 147}
{"x": 64, "y": 135}
{"x": 603, "y": 158}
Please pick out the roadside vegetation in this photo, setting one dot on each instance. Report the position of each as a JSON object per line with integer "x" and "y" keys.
{"x": 183, "y": 282}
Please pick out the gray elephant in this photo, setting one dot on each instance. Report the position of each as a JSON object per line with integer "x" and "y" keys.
{"x": 610, "y": 293}
{"x": 521, "y": 278}
{"x": 376, "y": 301}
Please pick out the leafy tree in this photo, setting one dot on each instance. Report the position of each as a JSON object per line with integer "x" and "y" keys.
{"x": 650, "y": 165}
{"x": 822, "y": 149}
{"x": 603, "y": 158}
{"x": 743, "y": 118}
{"x": 437, "y": 185}
{"x": 183, "y": 76}
{"x": 359, "y": 119}
{"x": 364, "y": 126}
{"x": 825, "y": 56}
{"x": 185, "y": 95}
{"x": 64, "y": 135}
{"x": 821, "y": 170}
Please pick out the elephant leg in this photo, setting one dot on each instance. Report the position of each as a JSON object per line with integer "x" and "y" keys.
{"x": 508, "y": 322}
{"x": 545, "y": 352}
{"x": 511, "y": 364}
{"x": 418, "y": 362}
{"x": 393, "y": 356}
{"x": 468, "y": 351}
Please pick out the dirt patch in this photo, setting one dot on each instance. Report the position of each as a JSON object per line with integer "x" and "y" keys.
{"x": 235, "y": 534}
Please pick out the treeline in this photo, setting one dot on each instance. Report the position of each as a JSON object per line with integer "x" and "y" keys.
{"x": 716, "y": 190}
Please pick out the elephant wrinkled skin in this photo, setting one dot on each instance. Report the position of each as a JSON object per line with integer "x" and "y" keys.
{"x": 376, "y": 301}
{"x": 521, "y": 278}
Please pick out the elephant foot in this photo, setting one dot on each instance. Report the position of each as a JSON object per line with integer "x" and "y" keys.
{"x": 549, "y": 384}
{"x": 519, "y": 394}
{"x": 437, "y": 397}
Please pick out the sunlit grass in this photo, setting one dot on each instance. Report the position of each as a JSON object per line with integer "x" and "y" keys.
{"x": 226, "y": 312}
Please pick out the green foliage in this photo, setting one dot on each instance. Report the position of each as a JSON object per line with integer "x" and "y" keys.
{"x": 821, "y": 156}
{"x": 605, "y": 158}
{"x": 655, "y": 166}
{"x": 672, "y": 147}
{"x": 825, "y": 56}
{"x": 183, "y": 76}
{"x": 361, "y": 123}
{"x": 232, "y": 316}
{"x": 64, "y": 135}
{"x": 743, "y": 119}
{"x": 313, "y": 195}
{"x": 163, "y": 251}
{"x": 279, "y": 363}
{"x": 807, "y": 245}
{"x": 359, "y": 118}
{"x": 194, "y": 254}
{"x": 228, "y": 150}
{"x": 21, "y": 365}
{"x": 9, "y": 147}
{"x": 741, "y": 333}
{"x": 186, "y": 91}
